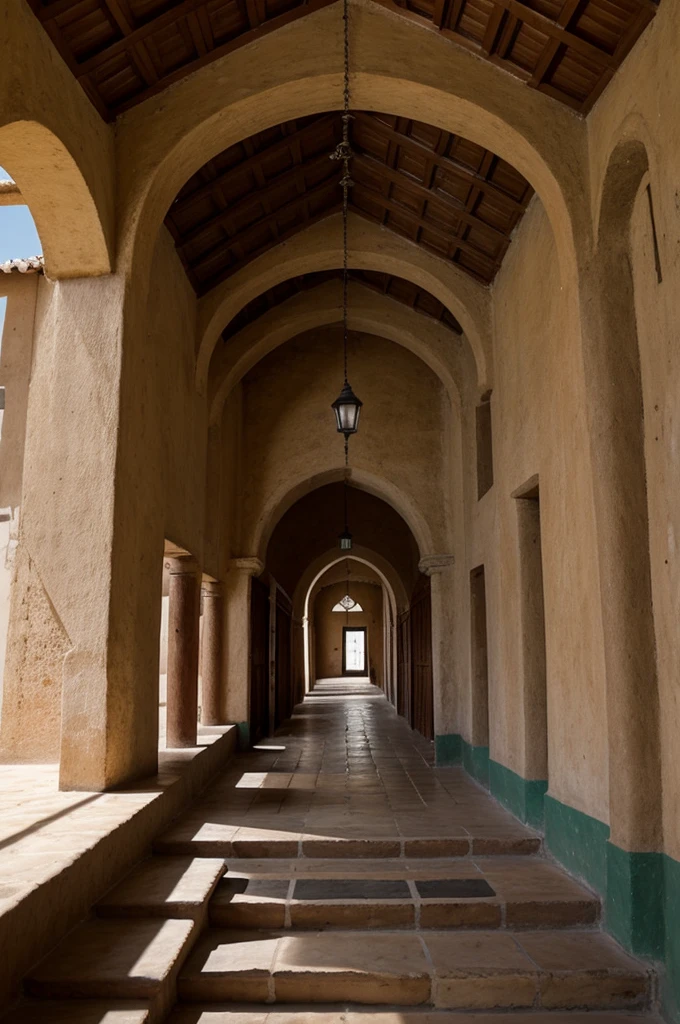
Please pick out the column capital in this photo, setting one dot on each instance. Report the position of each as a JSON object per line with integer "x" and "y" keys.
{"x": 212, "y": 587}
{"x": 250, "y": 566}
{"x": 182, "y": 565}
{"x": 431, "y": 565}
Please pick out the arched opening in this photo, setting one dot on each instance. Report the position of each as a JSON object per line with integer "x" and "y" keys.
{"x": 48, "y": 180}
{"x": 383, "y": 575}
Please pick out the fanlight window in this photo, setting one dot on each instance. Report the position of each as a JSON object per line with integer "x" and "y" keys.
{"x": 348, "y": 604}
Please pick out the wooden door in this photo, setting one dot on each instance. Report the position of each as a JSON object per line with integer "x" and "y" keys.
{"x": 259, "y": 660}
{"x": 422, "y": 703}
{"x": 404, "y": 665}
{"x": 284, "y": 677}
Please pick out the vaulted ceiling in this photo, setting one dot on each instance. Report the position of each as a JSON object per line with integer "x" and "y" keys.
{"x": 123, "y": 51}
{"x": 450, "y": 196}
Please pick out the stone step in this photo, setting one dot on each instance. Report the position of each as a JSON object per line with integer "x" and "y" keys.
{"x": 447, "y": 970}
{"x": 116, "y": 959}
{"x": 202, "y": 837}
{"x": 85, "y": 1012}
{"x": 515, "y": 892}
{"x": 164, "y": 887}
{"x": 244, "y": 1014}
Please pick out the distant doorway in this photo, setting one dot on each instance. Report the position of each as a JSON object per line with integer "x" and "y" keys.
{"x": 354, "y": 651}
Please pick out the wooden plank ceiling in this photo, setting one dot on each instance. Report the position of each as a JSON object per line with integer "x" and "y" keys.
{"x": 451, "y": 196}
{"x": 385, "y": 284}
{"x": 123, "y": 51}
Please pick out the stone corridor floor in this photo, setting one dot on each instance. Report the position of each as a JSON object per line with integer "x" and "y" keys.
{"x": 346, "y": 766}
{"x": 333, "y": 874}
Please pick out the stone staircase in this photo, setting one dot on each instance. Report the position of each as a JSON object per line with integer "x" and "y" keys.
{"x": 299, "y": 892}
{"x": 414, "y": 938}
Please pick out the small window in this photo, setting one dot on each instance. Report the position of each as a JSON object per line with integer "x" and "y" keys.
{"x": 348, "y": 604}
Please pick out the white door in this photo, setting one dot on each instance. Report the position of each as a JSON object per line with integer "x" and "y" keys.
{"x": 355, "y": 651}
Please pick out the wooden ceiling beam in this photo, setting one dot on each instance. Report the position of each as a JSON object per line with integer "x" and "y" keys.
{"x": 298, "y": 137}
{"x": 447, "y": 163}
{"x": 426, "y": 225}
{"x": 227, "y": 272}
{"x": 521, "y": 10}
{"x": 429, "y": 194}
{"x": 233, "y": 241}
{"x": 261, "y": 195}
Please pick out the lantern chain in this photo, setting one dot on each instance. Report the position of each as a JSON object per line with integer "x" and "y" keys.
{"x": 344, "y": 153}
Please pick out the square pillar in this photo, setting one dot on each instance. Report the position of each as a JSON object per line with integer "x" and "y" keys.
{"x": 236, "y": 693}
{"x": 440, "y": 569}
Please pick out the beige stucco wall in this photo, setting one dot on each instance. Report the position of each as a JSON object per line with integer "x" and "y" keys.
{"x": 539, "y": 428}
{"x": 641, "y": 104}
{"x": 328, "y": 627}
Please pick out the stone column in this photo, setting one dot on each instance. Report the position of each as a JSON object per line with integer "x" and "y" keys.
{"x": 211, "y": 652}
{"x": 236, "y": 693}
{"x": 183, "y": 626}
{"x": 440, "y": 569}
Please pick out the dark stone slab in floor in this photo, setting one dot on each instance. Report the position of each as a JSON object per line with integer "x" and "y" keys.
{"x": 233, "y": 885}
{"x": 351, "y": 889}
{"x": 454, "y": 888}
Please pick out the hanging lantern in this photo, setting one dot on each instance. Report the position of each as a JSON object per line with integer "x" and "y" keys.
{"x": 345, "y": 540}
{"x": 347, "y": 408}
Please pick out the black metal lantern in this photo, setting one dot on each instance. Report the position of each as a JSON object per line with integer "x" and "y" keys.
{"x": 347, "y": 409}
{"x": 345, "y": 540}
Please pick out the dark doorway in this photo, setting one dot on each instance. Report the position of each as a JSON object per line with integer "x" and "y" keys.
{"x": 532, "y": 631}
{"x": 354, "y": 662}
{"x": 259, "y": 660}
{"x": 422, "y": 701}
{"x": 480, "y": 672}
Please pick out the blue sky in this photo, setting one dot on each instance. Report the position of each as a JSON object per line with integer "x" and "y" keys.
{"x": 18, "y": 237}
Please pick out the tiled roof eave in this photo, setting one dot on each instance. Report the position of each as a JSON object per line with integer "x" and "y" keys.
{"x": 27, "y": 265}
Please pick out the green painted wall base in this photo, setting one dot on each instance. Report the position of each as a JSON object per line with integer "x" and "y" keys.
{"x": 243, "y": 735}
{"x": 577, "y": 841}
{"x": 635, "y": 900}
{"x": 670, "y": 983}
{"x": 640, "y": 891}
{"x": 523, "y": 797}
{"x": 476, "y": 762}
{"x": 448, "y": 749}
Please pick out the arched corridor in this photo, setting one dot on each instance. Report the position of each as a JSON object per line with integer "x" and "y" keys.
{"x": 338, "y": 512}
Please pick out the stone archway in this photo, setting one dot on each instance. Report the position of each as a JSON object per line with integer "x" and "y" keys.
{"x": 51, "y": 183}
{"x": 368, "y": 312}
{"x": 319, "y": 247}
{"x": 405, "y": 72}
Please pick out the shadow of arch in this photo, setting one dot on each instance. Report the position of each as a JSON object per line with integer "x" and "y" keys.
{"x": 61, "y": 204}
{"x": 613, "y": 375}
{"x": 288, "y": 495}
{"x": 368, "y": 312}
{"x": 319, "y": 247}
